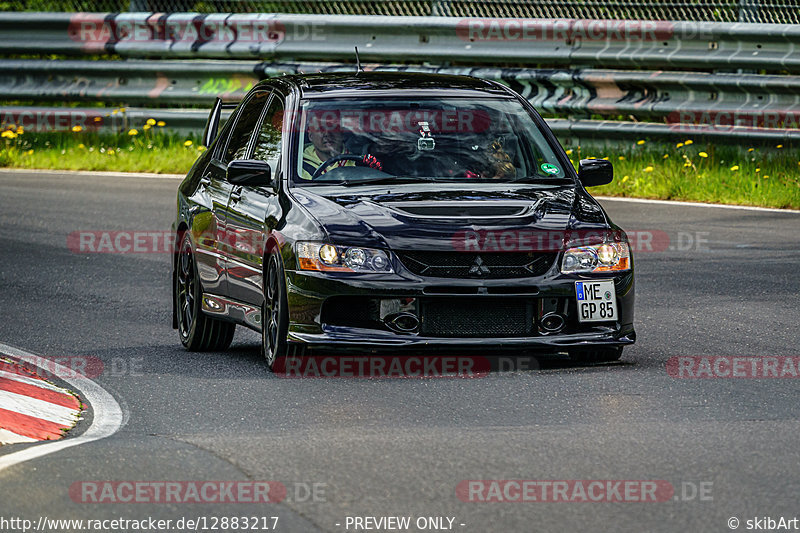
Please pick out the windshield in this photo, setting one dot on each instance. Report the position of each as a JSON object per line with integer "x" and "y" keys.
{"x": 369, "y": 140}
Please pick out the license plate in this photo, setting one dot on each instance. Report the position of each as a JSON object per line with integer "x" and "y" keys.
{"x": 597, "y": 301}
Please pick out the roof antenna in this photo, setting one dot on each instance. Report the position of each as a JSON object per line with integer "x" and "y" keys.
{"x": 359, "y": 68}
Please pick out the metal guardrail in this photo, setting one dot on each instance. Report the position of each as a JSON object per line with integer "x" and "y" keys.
{"x": 41, "y": 118}
{"x": 718, "y": 104}
{"x": 569, "y": 131}
{"x": 472, "y": 41}
{"x": 131, "y": 82}
{"x": 714, "y": 104}
{"x": 638, "y": 94}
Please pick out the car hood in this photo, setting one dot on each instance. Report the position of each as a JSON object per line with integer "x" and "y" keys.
{"x": 408, "y": 217}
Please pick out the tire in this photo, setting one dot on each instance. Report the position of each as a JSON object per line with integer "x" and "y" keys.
{"x": 600, "y": 355}
{"x": 274, "y": 314}
{"x": 198, "y": 331}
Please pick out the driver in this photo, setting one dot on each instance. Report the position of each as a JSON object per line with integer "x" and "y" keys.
{"x": 327, "y": 141}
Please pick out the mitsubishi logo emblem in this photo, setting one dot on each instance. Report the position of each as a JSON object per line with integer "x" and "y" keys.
{"x": 478, "y": 268}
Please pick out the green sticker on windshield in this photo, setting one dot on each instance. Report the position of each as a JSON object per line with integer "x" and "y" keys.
{"x": 550, "y": 168}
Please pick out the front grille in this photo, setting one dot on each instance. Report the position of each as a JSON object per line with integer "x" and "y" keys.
{"x": 476, "y": 317}
{"x": 478, "y": 265}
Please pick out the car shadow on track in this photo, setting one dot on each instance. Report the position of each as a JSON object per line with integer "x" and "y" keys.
{"x": 244, "y": 359}
{"x": 377, "y": 364}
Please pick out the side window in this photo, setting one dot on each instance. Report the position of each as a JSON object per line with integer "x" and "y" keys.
{"x": 244, "y": 127}
{"x": 268, "y": 143}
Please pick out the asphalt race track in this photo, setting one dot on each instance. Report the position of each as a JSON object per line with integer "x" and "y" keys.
{"x": 400, "y": 447}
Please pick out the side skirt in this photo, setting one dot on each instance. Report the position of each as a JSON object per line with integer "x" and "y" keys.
{"x": 232, "y": 310}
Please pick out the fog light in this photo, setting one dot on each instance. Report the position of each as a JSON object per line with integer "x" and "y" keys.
{"x": 402, "y": 322}
{"x": 552, "y": 322}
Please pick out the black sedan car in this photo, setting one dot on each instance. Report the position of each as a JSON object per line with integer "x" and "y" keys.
{"x": 396, "y": 211}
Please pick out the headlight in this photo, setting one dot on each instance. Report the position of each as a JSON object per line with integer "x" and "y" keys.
{"x": 329, "y": 258}
{"x": 606, "y": 257}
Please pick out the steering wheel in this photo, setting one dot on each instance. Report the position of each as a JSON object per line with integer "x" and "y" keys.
{"x": 359, "y": 160}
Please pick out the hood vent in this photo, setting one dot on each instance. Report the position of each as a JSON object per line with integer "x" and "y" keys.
{"x": 463, "y": 210}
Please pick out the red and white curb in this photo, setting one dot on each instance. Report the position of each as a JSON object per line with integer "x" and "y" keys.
{"x": 107, "y": 415}
{"x": 31, "y": 409}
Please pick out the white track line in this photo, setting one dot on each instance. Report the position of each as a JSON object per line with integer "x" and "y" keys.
{"x": 695, "y": 204}
{"x": 9, "y": 437}
{"x": 30, "y": 406}
{"x": 98, "y": 173}
{"x": 107, "y": 419}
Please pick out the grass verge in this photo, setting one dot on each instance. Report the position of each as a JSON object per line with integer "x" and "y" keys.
{"x": 759, "y": 176}
{"x": 138, "y": 150}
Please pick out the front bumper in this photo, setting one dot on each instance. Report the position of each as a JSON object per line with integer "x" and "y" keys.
{"x": 308, "y": 323}
{"x": 369, "y": 340}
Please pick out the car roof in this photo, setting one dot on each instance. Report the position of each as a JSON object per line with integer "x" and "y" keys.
{"x": 379, "y": 83}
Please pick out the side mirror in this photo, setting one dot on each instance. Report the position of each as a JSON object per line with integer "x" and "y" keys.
{"x": 249, "y": 172}
{"x": 595, "y": 172}
{"x": 212, "y": 125}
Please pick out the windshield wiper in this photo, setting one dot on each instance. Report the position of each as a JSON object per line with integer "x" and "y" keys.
{"x": 386, "y": 180}
{"x": 542, "y": 179}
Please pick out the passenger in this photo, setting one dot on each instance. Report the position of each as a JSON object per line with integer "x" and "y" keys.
{"x": 495, "y": 164}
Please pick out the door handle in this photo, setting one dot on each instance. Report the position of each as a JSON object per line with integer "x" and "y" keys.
{"x": 236, "y": 195}
{"x": 205, "y": 180}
